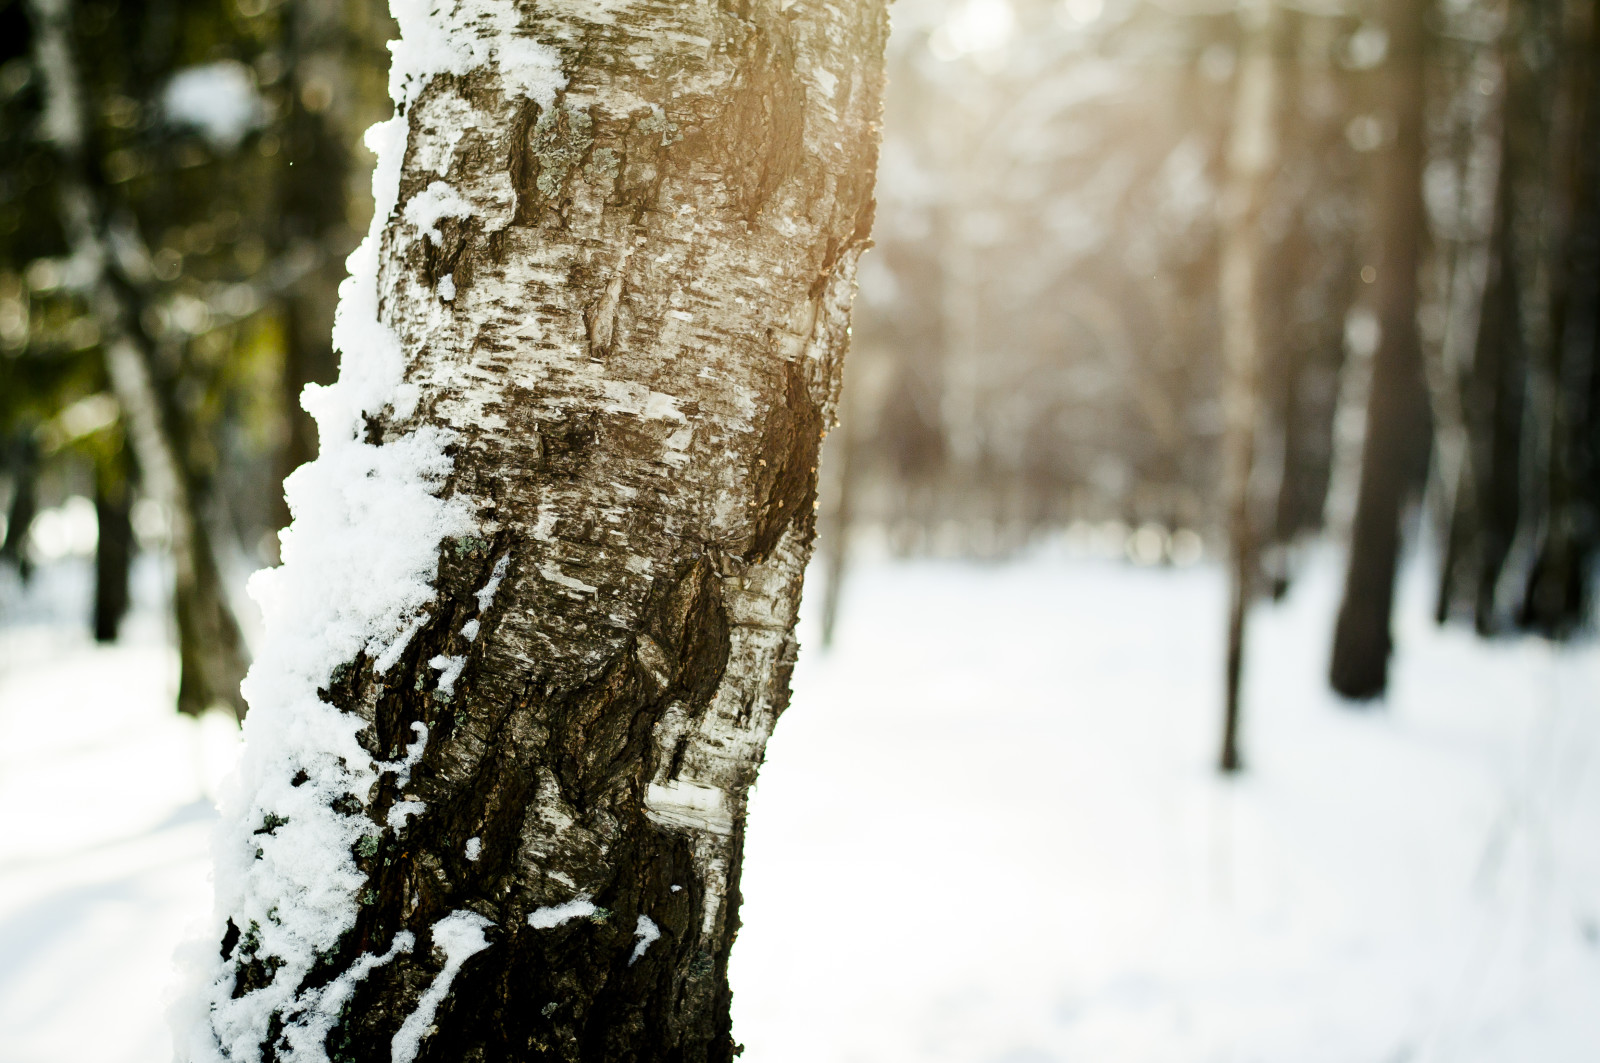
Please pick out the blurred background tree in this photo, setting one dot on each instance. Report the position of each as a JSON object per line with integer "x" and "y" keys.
{"x": 1042, "y": 337}
{"x": 179, "y": 185}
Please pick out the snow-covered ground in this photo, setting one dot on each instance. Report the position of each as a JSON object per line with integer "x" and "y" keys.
{"x": 988, "y": 832}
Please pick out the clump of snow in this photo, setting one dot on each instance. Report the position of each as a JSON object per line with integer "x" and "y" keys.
{"x": 474, "y": 849}
{"x": 218, "y": 100}
{"x": 459, "y": 936}
{"x": 556, "y": 914}
{"x": 449, "y": 669}
{"x": 486, "y": 593}
{"x": 447, "y": 287}
{"x": 438, "y": 200}
{"x": 485, "y": 596}
{"x": 648, "y": 934}
{"x": 305, "y": 1038}
{"x": 402, "y": 768}
{"x": 438, "y": 39}
{"x": 400, "y": 811}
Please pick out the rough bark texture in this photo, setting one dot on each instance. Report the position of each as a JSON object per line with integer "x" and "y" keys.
{"x": 633, "y": 333}
{"x": 1397, "y": 404}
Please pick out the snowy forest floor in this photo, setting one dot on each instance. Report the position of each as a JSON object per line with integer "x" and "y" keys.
{"x": 988, "y": 831}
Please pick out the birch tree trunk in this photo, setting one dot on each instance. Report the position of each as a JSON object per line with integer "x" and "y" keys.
{"x": 535, "y": 619}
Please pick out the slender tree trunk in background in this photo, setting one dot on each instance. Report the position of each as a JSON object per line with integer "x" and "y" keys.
{"x": 210, "y": 648}
{"x": 24, "y": 504}
{"x": 841, "y": 455}
{"x": 326, "y": 110}
{"x": 1397, "y": 403}
{"x": 113, "y": 552}
{"x": 1488, "y": 496}
{"x": 1317, "y": 261}
{"x": 535, "y": 618}
{"x": 1251, "y": 155}
{"x": 1568, "y": 537}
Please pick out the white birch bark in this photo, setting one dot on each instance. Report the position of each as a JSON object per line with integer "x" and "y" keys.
{"x": 535, "y": 619}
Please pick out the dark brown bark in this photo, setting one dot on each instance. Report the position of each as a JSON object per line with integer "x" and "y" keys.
{"x": 1557, "y": 597}
{"x": 24, "y": 504}
{"x": 1488, "y": 498}
{"x": 1394, "y": 450}
{"x": 113, "y": 552}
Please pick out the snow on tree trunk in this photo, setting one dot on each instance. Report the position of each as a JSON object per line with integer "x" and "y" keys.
{"x": 534, "y": 622}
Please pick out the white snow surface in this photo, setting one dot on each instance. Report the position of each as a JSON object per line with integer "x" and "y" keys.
{"x": 459, "y": 936}
{"x": 219, "y": 100}
{"x": 987, "y": 831}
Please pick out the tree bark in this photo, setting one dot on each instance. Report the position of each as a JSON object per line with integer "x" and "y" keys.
{"x": 24, "y": 504}
{"x": 113, "y": 552}
{"x": 1487, "y": 503}
{"x": 1397, "y": 403}
{"x": 1568, "y": 531}
{"x": 535, "y": 618}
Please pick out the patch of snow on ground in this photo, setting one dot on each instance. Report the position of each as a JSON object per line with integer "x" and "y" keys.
{"x": 987, "y": 831}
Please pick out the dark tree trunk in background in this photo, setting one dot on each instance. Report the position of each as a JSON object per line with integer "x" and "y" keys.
{"x": 1556, "y": 601}
{"x": 1393, "y": 453}
{"x": 1488, "y": 498}
{"x": 326, "y": 110}
{"x": 113, "y": 552}
{"x": 612, "y": 266}
{"x": 1314, "y": 275}
{"x": 24, "y": 504}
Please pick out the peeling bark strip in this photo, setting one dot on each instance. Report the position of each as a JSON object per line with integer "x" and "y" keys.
{"x": 535, "y": 619}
